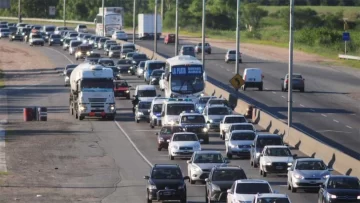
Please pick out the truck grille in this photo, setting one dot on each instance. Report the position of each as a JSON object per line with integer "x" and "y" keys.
{"x": 244, "y": 146}
{"x": 185, "y": 148}
{"x": 97, "y": 99}
{"x": 283, "y": 164}
{"x": 194, "y": 129}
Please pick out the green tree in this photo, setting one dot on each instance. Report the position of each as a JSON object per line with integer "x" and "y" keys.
{"x": 252, "y": 15}
{"x": 304, "y": 17}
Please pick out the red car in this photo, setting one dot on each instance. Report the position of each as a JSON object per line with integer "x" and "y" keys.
{"x": 165, "y": 135}
{"x": 122, "y": 89}
{"x": 169, "y": 38}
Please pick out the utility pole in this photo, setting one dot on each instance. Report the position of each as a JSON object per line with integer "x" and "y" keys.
{"x": 64, "y": 12}
{"x": 103, "y": 17}
{"x": 291, "y": 44}
{"x": 155, "y": 31}
{"x": 237, "y": 37}
{"x": 19, "y": 11}
{"x": 203, "y": 35}
{"x": 162, "y": 11}
{"x": 134, "y": 24}
{"x": 177, "y": 28}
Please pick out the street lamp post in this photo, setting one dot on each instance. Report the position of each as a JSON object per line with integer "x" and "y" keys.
{"x": 103, "y": 16}
{"x": 19, "y": 11}
{"x": 203, "y": 35}
{"x": 237, "y": 37}
{"x": 291, "y": 44}
{"x": 177, "y": 28}
{"x": 134, "y": 24}
{"x": 155, "y": 31}
{"x": 64, "y": 13}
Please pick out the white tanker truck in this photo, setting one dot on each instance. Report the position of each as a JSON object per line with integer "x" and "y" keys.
{"x": 92, "y": 92}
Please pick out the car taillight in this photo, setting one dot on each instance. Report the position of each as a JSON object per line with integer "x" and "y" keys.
{"x": 286, "y": 81}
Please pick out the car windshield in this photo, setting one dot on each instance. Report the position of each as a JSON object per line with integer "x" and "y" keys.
{"x": 55, "y": 36}
{"x": 295, "y": 76}
{"x": 343, "y": 183}
{"x": 204, "y": 100}
{"x": 242, "y": 127}
{"x": 228, "y": 175}
{"x": 125, "y": 51}
{"x": 110, "y": 42}
{"x": 218, "y": 102}
{"x": 252, "y": 188}
{"x": 157, "y": 73}
{"x": 50, "y": 29}
{"x": 103, "y": 40}
{"x": 69, "y": 71}
{"x": 73, "y": 35}
{"x": 144, "y": 105}
{"x": 82, "y": 26}
{"x": 95, "y": 55}
{"x": 176, "y": 109}
{"x": 232, "y": 52}
{"x": 155, "y": 66}
{"x": 70, "y": 66}
{"x": 157, "y": 108}
{"x": 129, "y": 55}
{"x": 166, "y": 173}
{"x": 107, "y": 63}
{"x": 75, "y": 44}
{"x": 243, "y": 136}
{"x": 36, "y": 36}
{"x": 277, "y": 152}
{"x": 142, "y": 64}
{"x": 208, "y": 158}
{"x": 115, "y": 48}
{"x": 5, "y": 30}
{"x": 123, "y": 62}
{"x": 273, "y": 200}
{"x": 193, "y": 119}
{"x": 185, "y": 137}
{"x": 310, "y": 165}
{"x": 129, "y": 46}
{"x": 140, "y": 56}
{"x": 188, "y": 49}
{"x": 262, "y": 142}
{"x": 122, "y": 84}
{"x": 146, "y": 93}
{"x": 237, "y": 119}
{"x": 218, "y": 111}
{"x": 171, "y": 130}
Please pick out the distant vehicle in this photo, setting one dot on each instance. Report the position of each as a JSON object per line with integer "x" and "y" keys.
{"x": 253, "y": 77}
{"x": 21, "y": 25}
{"x": 3, "y": 26}
{"x": 172, "y": 108}
{"x": 4, "y": 32}
{"x": 67, "y": 76}
{"x": 228, "y": 121}
{"x": 221, "y": 178}
{"x": 81, "y": 28}
{"x": 145, "y": 92}
{"x": 187, "y": 50}
{"x": 201, "y": 163}
{"x": 55, "y": 39}
{"x": 260, "y": 142}
{"x": 3, "y": 23}
{"x": 200, "y": 105}
{"x": 161, "y": 176}
{"x": 307, "y": 173}
{"x": 271, "y": 197}
{"x": 81, "y": 51}
{"x": 114, "y": 51}
{"x": 183, "y": 145}
{"x": 93, "y": 58}
{"x": 127, "y": 46}
{"x": 238, "y": 126}
{"x": 122, "y": 89}
{"x": 165, "y": 134}
{"x": 36, "y": 39}
{"x": 101, "y": 43}
{"x": 207, "y": 48}
{"x": 16, "y": 36}
{"x": 231, "y": 56}
{"x": 66, "y": 43}
{"x": 161, "y": 82}
{"x": 124, "y": 65}
{"x": 106, "y": 62}
{"x": 150, "y": 66}
{"x": 155, "y": 111}
{"x": 340, "y": 188}
{"x": 298, "y": 82}
{"x": 124, "y": 53}
{"x": 245, "y": 190}
{"x": 169, "y": 38}
{"x": 72, "y": 46}
{"x": 195, "y": 123}
{"x": 11, "y": 24}
{"x": 59, "y": 29}
{"x": 142, "y": 111}
{"x": 146, "y": 26}
{"x": 138, "y": 57}
{"x": 140, "y": 69}
{"x": 155, "y": 77}
{"x": 113, "y": 21}
{"x": 214, "y": 115}
{"x": 275, "y": 159}
{"x": 70, "y": 66}
{"x": 120, "y": 35}
{"x": 13, "y": 29}
{"x": 129, "y": 55}
{"x": 239, "y": 143}
{"x": 107, "y": 45}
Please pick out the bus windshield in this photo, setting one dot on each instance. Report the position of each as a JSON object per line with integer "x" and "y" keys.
{"x": 187, "y": 80}
{"x": 177, "y": 109}
{"x": 155, "y": 66}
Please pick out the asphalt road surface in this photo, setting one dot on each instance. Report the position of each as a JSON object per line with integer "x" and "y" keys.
{"x": 328, "y": 109}
{"x": 129, "y": 147}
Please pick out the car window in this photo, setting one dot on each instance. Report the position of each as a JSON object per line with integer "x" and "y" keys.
{"x": 107, "y": 63}
{"x": 343, "y": 183}
{"x": 124, "y": 62}
{"x": 157, "y": 73}
{"x": 228, "y": 175}
{"x": 252, "y": 188}
{"x": 243, "y": 136}
{"x": 218, "y": 111}
{"x": 242, "y": 127}
{"x": 273, "y": 200}
{"x": 166, "y": 173}
{"x": 204, "y": 100}
{"x": 185, "y": 137}
{"x": 310, "y": 165}
{"x": 122, "y": 84}
{"x": 262, "y": 142}
{"x": 171, "y": 129}
{"x": 208, "y": 158}
{"x": 146, "y": 93}
{"x": 144, "y": 105}
{"x": 235, "y": 120}
{"x": 277, "y": 152}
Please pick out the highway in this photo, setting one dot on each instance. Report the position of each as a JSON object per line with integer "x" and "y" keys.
{"x": 129, "y": 147}
{"x": 328, "y": 109}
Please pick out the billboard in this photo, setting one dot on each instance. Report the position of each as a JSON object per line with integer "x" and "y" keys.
{"x": 4, "y": 3}
{"x": 52, "y": 10}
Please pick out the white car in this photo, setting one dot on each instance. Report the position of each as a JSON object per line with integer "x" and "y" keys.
{"x": 183, "y": 145}
{"x": 271, "y": 197}
{"x": 228, "y": 120}
{"x": 120, "y": 35}
{"x": 140, "y": 69}
{"x": 161, "y": 82}
{"x": 239, "y": 126}
{"x": 81, "y": 28}
{"x": 246, "y": 189}
{"x": 4, "y": 32}
{"x": 239, "y": 143}
{"x": 275, "y": 159}
{"x": 214, "y": 115}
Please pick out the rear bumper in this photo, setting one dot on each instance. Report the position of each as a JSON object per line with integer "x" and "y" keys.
{"x": 97, "y": 114}
{"x": 253, "y": 84}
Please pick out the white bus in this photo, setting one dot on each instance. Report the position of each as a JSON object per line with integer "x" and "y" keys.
{"x": 113, "y": 20}
{"x": 184, "y": 77}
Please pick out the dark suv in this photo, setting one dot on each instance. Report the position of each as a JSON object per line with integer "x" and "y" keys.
{"x": 165, "y": 134}
{"x": 259, "y": 143}
{"x": 221, "y": 178}
{"x": 166, "y": 182}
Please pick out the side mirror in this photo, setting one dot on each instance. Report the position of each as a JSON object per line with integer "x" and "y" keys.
{"x": 206, "y": 179}
{"x": 156, "y": 133}
{"x": 228, "y": 191}
{"x": 289, "y": 169}
{"x": 186, "y": 178}
{"x": 322, "y": 186}
{"x": 146, "y": 177}
{"x": 188, "y": 161}
{"x": 201, "y": 140}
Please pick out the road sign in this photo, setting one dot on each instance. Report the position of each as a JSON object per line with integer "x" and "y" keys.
{"x": 52, "y": 10}
{"x": 237, "y": 81}
{"x": 4, "y": 3}
{"x": 346, "y": 36}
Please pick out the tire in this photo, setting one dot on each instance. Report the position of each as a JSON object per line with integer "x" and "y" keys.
{"x": 171, "y": 157}
{"x": 293, "y": 190}
{"x": 50, "y": 44}
{"x": 264, "y": 174}
{"x": 147, "y": 197}
{"x": 76, "y": 116}
{"x": 206, "y": 140}
{"x": 42, "y": 45}
{"x": 128, "y": 97}
{"x": 159, "y": 149}
{"x": 282, "y": 89}
{"x": 183, "y": 200}
{"x": 81, "y": 118}
{"x": 226, "y": 61}
{"x": 229, "y": 156}
{"x": 192, "y": 182}
{"x": 261, "y": 88}
{"x": 111, "y": 118}
{"x": 240, "y": 61}
{"x": 244, "y": 87}
{"x": 137, "y": 121}
{"x": 76, "y": 58}
{"x": 288, "y": 185}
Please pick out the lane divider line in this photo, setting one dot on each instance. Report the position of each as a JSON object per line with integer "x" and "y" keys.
{"x": 274, "y": 92}
{"x": 283, "y": 97}
{"x": 3, "y": 167}
{"x": 134, "y": 145}
{"x": 324, "y": 115}
{"x": 61, "y": 54}
{"x": 336, "y": 121}
{"x": 349, "y": 127}
{"x": 302, "y": 105}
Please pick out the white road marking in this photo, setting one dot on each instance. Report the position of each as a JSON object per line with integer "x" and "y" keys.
{"x": 335, "y": 131}
{"x": 133, "y": 144}
{"x": 349, "y": 127}
{"x": 312, "y": 110}
{"x": 3, "y": 167}
{"x": 228, "y": 70}
{"x": 324, "y": 115}
{"x": 336, "y": 121}
{"x": 302, "y": 105}
{"x": 266, "y": 88}
{"x": 273, "y": 92}
{"x": 147, "y": 130}
{"x": 283, "y": 97}
{"x": 61, "y": 54}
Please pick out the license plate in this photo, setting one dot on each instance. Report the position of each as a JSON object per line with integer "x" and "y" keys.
{"x": 279, "y": 167}
{"x": 167, "y": 193}
{"x": 186, "y": 151}
{"x": 312, "y": 182}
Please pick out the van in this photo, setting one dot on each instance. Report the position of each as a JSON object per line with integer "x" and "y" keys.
{"x": 155, "y": 111}
{"x": 172, "y": 108}
{"x": 145, "y": 92}
{"x": 72, "y": 46}
{"x": 150, "y": 66}
{"x": 128, "y": 46}
{"x": 260, "y": 141}
{"x": 253, "y": 77}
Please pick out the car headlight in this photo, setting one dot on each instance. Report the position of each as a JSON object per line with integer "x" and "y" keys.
{"x": 171, "y": 122}
{"x": 257, "y": 154}
{"x": 268, "y": 163}
{"x": 161, "y": 139}
{"x": 298, "y": 176}
{"x": 140, "y": 113}
{"x": 152, "y": 187}
{"x": 331, "y": 196}
{"x": 153, "y": 79}
{"x": 67, "y": 78}
{"x": 127, "y": 91}
{"x": 13, "y": 36}
{"x": 325, "y": 176}
{"x": 205, "y": 130}
{"x": 88, "y": 53}
{"x": 196, "y": 168}
{"x": 211, "y": 121}
{"x": 175, "y": 147}
{"x": 358, "y": 197}
{"x": 82, "y": 107}
{"x": 52, "y": 40}
{"x": 215, "y": 188}
{"x": 290, "y": 164}
{"x": 112, "y": 107}
{"x": 62, "y": 40}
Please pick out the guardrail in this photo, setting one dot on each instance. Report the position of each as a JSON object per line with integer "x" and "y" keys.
{"x": 344, "y": 56}
{"x": 47, "y": 20}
